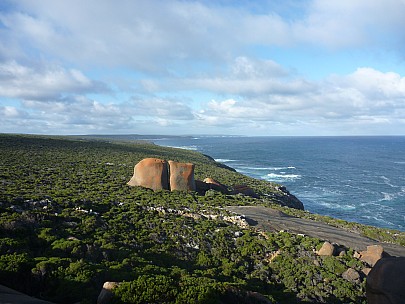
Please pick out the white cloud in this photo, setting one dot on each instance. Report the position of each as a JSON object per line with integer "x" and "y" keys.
{"x": 346, "y": 23}
{"x": 43, "y": 82}
{"x": 163, "y": 109}
{"x": 365, "y": 97}
{"x": 189, "y": 49}
{"x": 153, "y": 35}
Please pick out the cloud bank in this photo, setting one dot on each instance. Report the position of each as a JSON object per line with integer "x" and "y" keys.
{"x": 181, "y": 67}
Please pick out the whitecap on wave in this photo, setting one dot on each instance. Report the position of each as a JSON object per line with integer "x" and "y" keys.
{"x": 379, "y": 218}
{"x": 281, "y": 177}
{"x": 224, "y": 160}
{"x": 269, "y": 168}
{"x": 387, "y": 181}
{"x": 331, "y": 205}
{"x": 193, "y": 148}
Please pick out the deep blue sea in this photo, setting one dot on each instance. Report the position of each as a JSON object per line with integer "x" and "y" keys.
{"x": 358, "y": 179}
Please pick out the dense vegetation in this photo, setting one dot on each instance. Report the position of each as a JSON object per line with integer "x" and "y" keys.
{"x": 69, "y": 222}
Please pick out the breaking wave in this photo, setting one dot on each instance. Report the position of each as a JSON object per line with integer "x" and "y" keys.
{"x": 281, "y": 177}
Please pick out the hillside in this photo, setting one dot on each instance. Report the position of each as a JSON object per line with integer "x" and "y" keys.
{"x": 69, "y": 223}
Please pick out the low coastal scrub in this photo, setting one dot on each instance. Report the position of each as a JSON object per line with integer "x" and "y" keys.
{"x": 69, "y": 223}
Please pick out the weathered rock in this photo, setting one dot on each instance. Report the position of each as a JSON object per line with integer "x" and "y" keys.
{"x": 106, "y": 293}
{"x": 215, "y": 185}
{"x": 201, "y": 187}
{"x": 327, "y": 249}
{"x": 366, "y": 270}
{"x": 372, "y": 254}
{"x": 182, "y": 176}
{"x": 11, "y": 296}
{"x": 386, "y": 281}
{"x": 151, "y": 173}
{"x": 351, "y": 275}
{"x": 243, "y": 189}
{"x": 285, "y": 198}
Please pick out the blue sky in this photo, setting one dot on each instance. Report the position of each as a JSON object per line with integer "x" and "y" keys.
{"x": 318, "y": 67}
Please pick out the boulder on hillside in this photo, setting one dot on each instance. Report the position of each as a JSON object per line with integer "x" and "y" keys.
{"x": 351, "y": 275}
{"x": 327, "y": 249}
{"x": 372, "y": 254}
{"x": 182, "y": 176}
{"x": 151, "y": 173}
{"x": 106, "y": 293}
{"x": 386, "y": 281}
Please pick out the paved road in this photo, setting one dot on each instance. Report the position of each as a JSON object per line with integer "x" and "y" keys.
{"x": 274, "y": 220}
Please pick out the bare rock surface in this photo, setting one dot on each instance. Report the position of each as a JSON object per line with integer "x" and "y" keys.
{"x": 151, "y": 173}
{"x": 372, "y": 254}
{"x": 182, "y": 176}
{"x": 386, "y": 282}
{"x": 327, "y": 249}
{"x": 215, "y": 185}
{"x": 11, "y": 296}
{"x": 351, "y": 275}
{"x": 271, "y": 220}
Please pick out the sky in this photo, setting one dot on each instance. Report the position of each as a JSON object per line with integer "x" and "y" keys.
{"x": 265, "y": 68}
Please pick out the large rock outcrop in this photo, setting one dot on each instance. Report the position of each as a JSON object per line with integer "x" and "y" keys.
{"x": 151, "y": 173}
{"x": 158, "y": 174}
{"x": 182, "y": 176}
{"x": 386, "y": 282}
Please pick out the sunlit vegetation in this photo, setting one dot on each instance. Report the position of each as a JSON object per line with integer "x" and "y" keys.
{"x": 69, "y": 222}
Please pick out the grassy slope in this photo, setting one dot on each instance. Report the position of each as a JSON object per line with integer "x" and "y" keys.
{"x": 69, "y": 222}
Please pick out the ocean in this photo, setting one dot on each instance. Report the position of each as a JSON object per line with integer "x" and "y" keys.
{"x": 358, "y": 179}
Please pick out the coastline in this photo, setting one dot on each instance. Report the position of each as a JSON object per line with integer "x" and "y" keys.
{"x": 69, "y": 218}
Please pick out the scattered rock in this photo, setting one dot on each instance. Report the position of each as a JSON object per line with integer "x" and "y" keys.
{"x": 351, "y": 275}
{"x": 273, "y": 255}
{"x": 238, "y": 233}
{"x": 327, "y": 249}
{"x": 106, "y": 293}
{"x": 151, "y": 173}
{"x": 386, "y": 281}
{"x": 372, "y": 254}
{"x": 366, "y": 270}
{"x": 182, "y": 176}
